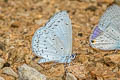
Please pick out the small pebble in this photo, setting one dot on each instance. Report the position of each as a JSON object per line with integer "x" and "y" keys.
{"x": 29, "y": 73}
{"x": 2, "y": 61}
{"x": 9, "y": 71}
{"x": 6, "y": 64}
{"x": 115, "y": 58}
{"x": 80, "y": 34}
{"x": 15, "y": 24}
{"x": 91, "y": 8}
{"x": 1, "y": 78}
{"x": 117, "y": 2}
{"x": 2, "y": 46}
{"x": 70, "y": 76}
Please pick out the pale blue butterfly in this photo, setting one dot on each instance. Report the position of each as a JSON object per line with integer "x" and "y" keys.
{"x": 53, "y": 42}
{"x": 106, "y": 36}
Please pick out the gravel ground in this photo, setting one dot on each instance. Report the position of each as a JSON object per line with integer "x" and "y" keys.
{"x": 19, "y": 19}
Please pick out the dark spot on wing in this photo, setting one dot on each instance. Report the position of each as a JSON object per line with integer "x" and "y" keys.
{"x": 44, "y": 30}
{"x": 61, "y": 19}
{"x": 44, "y": 41}
{"x": 58, "y": 21}
{"x": 45, "y": 47}
{"x": 66, "y": 23}
{"x": 37, "y": 42}
{"x": 53, "y": 39}
{"x": 37, "y": 46}
{"x": 61, "y": 48}
{"x": 42, "y": 51}
{"x": 56, "y": 52}
{"x": 55, "y": 25}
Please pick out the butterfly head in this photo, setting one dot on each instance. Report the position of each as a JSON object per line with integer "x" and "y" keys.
{"x": 70, "y": 58}
{"x": 73, "y": 56}
{"x": 96, "y": 32}
{"x": 93, "y": 41}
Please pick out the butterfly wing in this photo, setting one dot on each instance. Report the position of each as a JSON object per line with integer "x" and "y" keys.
{"x": 111, "y": 12}
{"x": 54, "y": 40}
{"x": 107, "y": 40}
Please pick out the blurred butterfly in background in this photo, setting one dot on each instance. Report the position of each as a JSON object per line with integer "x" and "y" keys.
{"x": 53, "y": 42}
{"x": 106, "y": 36}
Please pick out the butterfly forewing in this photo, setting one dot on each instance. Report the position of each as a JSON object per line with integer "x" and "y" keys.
{"x": 112, "y": 12}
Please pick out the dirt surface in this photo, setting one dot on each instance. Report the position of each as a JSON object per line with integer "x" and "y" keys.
{"x": 19, "y": 19}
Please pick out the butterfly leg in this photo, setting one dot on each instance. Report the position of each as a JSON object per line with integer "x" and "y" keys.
{"x": 71, "y": 64}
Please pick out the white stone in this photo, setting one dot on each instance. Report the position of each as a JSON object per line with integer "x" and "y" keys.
{"x": 1, "y": 78}
{"x": 29, "y": 73}
{"x": 70, "y": 76}
{"x": 2, "y": 61}
{"x": 9, "y": 71}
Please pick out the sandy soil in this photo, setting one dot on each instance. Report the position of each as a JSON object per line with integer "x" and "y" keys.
{"x": 19, "y": 19}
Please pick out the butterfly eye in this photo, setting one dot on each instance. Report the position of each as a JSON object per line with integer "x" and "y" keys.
{"x": 93, "y": 41}
{"x": 73, "y": 56}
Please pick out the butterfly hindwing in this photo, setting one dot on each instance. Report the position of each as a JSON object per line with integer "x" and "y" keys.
{"x": 107, "y": 40}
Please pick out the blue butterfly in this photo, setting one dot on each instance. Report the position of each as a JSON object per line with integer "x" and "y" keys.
{"x": 53, "y": 42}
